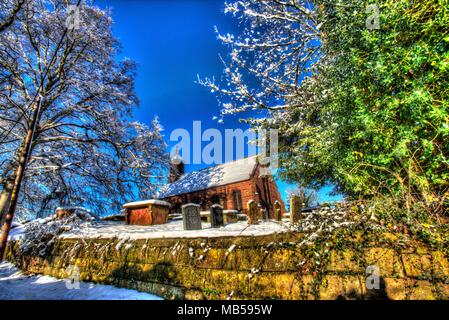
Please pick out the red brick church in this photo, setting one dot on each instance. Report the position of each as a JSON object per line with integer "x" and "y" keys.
{"x": 230, "y": 184}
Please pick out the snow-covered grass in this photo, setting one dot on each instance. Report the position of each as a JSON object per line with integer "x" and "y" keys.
{"x": 39, "y": 234}
{"x": 14, "y": 285}
{"x": 173, "y": 229}
{"x": 313, "y": 223}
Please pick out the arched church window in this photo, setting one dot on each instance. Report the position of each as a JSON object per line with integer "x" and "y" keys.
{"x": 237, "y": 199}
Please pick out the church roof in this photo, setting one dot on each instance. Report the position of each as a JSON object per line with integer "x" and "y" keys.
{"x": 219, "y": 175}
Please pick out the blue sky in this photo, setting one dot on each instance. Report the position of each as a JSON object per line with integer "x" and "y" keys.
{"x": 173, "y": 42}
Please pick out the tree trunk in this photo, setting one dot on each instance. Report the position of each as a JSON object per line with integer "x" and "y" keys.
{"x": 12, "y": 193}
{"x": 6, "y": 173}
{"x": 7, "y": 183}
{"x": 5, "y": 196}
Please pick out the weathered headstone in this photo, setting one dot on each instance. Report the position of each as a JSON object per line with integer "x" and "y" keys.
{"x": 264, "y": 214}
{"x": 191, "y": 217}
{"x": 253, "y": 212}
{"x": 80, "y": 212}
{"x": 62, "y": 213}
{"x": 216, "y": 216}
{"x": 295, "y": 209}
{"x": 230, "y": 216}
{"x": 277, "y": 211}
{"x": 259, "y": 212}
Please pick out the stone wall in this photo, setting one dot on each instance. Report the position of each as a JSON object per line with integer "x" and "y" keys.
{"x": 265, "y": 267}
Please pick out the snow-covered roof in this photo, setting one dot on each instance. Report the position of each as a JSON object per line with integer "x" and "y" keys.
{"x": 138, "y": 204}
{"x": 226, "y": 173}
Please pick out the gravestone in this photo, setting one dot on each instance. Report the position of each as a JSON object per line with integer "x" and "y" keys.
{"x": 253, "y": 212}
{"x": 216, "y": 216}
{"x": 277, "y": 211}
{"x": 264, "y": 214}
{"x": 295, "y": 209}
{"x": 230, "y": 216}
{"x": 259, "y": 212}
{"x": 191, "y": 217}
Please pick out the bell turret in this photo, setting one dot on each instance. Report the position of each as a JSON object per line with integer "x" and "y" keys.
{"x": 176, "y": 167}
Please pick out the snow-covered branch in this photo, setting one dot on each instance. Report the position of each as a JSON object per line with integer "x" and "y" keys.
{"x": 86, "y": 150}
{"x": 278, "y": 48}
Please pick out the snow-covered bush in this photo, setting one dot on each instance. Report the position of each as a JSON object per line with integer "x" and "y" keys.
{"x": 318, "y": 223}
{"x": 80, "y": 212}
{"x": 39, "y": 235}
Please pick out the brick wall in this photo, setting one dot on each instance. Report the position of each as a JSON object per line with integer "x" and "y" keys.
{"x": 225, "y": 193}
{"x": 267, "y": 191}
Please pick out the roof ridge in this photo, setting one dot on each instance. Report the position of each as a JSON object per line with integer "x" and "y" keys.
{"x": 213, "y": 176}
{"x": 217, "y": 165}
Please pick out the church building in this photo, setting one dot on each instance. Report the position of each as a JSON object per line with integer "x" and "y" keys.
{"x": 231, "y": 185}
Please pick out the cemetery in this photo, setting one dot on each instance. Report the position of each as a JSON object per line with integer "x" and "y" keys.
{"x": 231, "y": 185}
{"x": 217, "y": 206}
{"x": 206, "y": 250}
{"x": 253, "y": 259}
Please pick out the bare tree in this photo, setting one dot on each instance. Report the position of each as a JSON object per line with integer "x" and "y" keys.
{"x": 66, "y": 108}
{"x": 8, "y": 12}
{"x": 273, "y": 76}
{"x": 277, "y": 48}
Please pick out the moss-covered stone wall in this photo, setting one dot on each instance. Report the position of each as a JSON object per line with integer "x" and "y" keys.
{"x": 265, "y": 267}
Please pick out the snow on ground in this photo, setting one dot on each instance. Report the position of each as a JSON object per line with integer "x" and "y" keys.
{"x": 312, "y": 223}
{"x": 14, "y": 285}
{"x": 174, "y": 229}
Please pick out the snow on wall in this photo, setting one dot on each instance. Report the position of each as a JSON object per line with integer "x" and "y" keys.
{"x": 261, "y": 261}
{"x": 264, "y": 267}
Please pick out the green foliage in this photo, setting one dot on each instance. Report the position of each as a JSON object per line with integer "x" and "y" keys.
{"x": 378, "y": 122}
